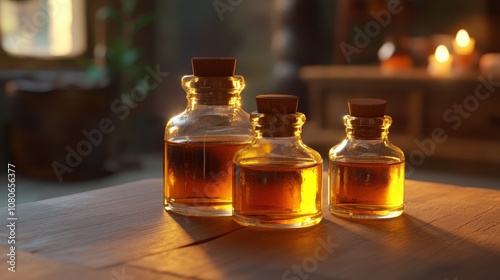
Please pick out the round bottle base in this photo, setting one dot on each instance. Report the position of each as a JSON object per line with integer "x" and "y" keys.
{"x": 366, "y": 212}
{"x": 278, "y": 221}
{"x": 207, "y": 208}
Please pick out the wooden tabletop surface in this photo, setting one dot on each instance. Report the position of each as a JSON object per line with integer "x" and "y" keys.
{"x": 123, "y": 233}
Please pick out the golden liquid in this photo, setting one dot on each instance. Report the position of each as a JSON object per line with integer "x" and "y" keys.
{"x": 366, "y": 190}
{"x": 198, "y": 177}
{"x": 277, "y": 196}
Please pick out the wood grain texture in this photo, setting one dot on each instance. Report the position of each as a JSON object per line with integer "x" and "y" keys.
{"x": 109, "y": 226}
{"x": 446, "y": 232}
{"x": 35, "y": 267}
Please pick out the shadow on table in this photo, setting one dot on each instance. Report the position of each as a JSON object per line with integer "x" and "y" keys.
{"x": 401, "y": 248}
{"x": 413, "y": 249}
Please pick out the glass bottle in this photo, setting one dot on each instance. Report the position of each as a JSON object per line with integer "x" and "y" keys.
{"x": 366, "y": 171}
{"x": 277, "y": 178}
{"x": 199, "y": 143}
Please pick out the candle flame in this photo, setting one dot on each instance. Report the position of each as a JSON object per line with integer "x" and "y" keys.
{"x": 463, "y": 39}
{"x": 442, "y": 53}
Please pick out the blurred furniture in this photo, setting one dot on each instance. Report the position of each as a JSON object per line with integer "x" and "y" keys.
{"x": 122, "y": 232}
{"x": 352, "y": 17}
{"x": 418, "y": 104}
{"x": 47, "y": 114}
{"x": 292, "y": 42}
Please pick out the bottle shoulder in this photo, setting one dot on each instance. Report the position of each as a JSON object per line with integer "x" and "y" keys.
{"x": 215, "y": 120}
{"x": 278, "y": 152}
{"x": 206, "y": 114}
{"x": 362, "y": 150}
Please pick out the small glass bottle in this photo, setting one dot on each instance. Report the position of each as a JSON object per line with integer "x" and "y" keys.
{"x": 366, "y": 172}
{"x": 201, "y": 141}
{"x": 277, "y": 178}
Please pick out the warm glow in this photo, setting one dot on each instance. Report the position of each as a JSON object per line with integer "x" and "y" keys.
{"x": 60, "y": 28}
{"x": 463, "y": 38}
{"x": 442, "y": 54}
{"x": 43, "y": 28}
{"x": 386, "y": 51}
{"x": 463, "y": 44}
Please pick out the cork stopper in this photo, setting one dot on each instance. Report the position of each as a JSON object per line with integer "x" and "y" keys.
{"x": 277, "y": 103}
{"x": 213, "y": 66}
{"x": 367, "y": 107}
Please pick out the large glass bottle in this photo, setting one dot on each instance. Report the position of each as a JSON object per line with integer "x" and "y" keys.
{"x": 201, "y": 141}
{"x": 366, "y": 171}
{"x": 277, "y": 178}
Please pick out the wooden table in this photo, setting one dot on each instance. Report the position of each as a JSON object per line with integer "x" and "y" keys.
{"x": 123, "y": 233}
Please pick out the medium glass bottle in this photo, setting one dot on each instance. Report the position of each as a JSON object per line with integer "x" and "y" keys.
{"x": 366, "y": 172}
{"x": 277, "y": 178}
{"x": 199, "y": 143}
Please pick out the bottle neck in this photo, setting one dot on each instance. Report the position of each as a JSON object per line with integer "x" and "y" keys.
{"x": 278, "y": 125}
{"x": 364, "y": 128}
{"x": 213, "y": 90}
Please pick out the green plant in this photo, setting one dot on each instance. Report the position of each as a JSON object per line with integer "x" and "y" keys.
{"x": 123, "y": 64}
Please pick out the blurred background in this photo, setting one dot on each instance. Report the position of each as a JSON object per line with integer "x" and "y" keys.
{"x": 88, "y": 86}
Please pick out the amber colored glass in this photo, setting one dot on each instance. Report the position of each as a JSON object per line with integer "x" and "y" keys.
{"x": 199, "y": 145}
{"x": 277, "y": 178}
{"x": 366, "y": 171}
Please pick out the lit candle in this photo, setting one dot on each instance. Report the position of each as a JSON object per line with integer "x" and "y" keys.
{"x": 463, "y": 44}
{"x": 440, "y": 63}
